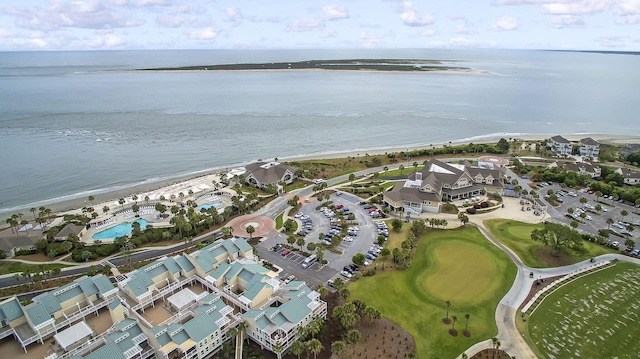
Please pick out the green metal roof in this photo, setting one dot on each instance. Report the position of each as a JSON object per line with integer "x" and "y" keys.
{"x": 200, "y": 327}
{"x": 137, "y": 287}
{"x": 124, "y": 323}
{"x": 103, "y": 283}
{"x": 69, "y": 294}
{"x": 115, "y": 304}
{"x": 12, "y": 309}
{"x": 246, "y": 275}
{"x": 108, "y": 351}
{"x": 236, "y": 267}
{"x": 221, "y": 270}
{"x": 218, "y": 252}
{"x": 49, "y": 301}
{"x": 180, "y": 337}
{"x": 87, "y": 286}
{"x": 37, "y": 313}
{"x": 184, "y": 263}
{"x": 230, "y": 246}
{"x": 171, "y": 265}
{"x": 262, "y": 322}
{"x": 163, "y": 339}
{"x": 242, "y": 244}
{"x": 255, "y": 290}
{"x": 157, "y": 271}
{"x": 295, "y": 310}
{"x": 143, "y": 277}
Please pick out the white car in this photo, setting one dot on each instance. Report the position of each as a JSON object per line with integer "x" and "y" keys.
{"x": 348, "y": 239}
{"x": 346, "y": 274}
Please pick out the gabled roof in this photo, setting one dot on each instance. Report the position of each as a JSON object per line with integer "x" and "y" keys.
{"x": 171, "y": 264}
{"x": 221, "y": 270}
{"x": 37, "y": 313}
{"x": 137, "y": 287}
{"x": 88, "y": 286}
{"x": 629, "y": 173}
{"x": 103, "y": 283}
{"x": 401, "y": 193}
{"x": 589, "y": 142}
{"x": 268, "y": 172}
{"x": 68, "y": 229}
{"x": 560, "y": 139}
{"x": 49, "y": 301}
{"x": 200, "y": 327}
{"x": 184, "y": 263}
{"x": 242, "y": 244}
{"x": 108, "y": 351}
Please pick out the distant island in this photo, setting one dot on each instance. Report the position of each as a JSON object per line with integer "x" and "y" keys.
{"x": 353, "y": 64}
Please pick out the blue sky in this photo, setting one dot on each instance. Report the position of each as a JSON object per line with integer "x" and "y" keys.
{"x": 278, "y": 24}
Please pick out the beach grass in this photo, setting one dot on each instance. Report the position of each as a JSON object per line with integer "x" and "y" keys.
{"x": 517, "y": 236}
{"x": 458, "y": 265}
{"x": 18, "y": 267}
{"x": 593, "y": 317}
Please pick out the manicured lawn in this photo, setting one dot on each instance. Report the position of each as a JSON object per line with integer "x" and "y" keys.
{"x": 517, "y": 236}
{"x": 456, "y": 265}
{"x": 592, "y": 317}
{"x": 279, "y": 221}
{"x": 16, "y": 267}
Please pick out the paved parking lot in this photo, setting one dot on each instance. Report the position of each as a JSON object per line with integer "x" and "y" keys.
{"x": 611, "y": 209}
{"x": 292, "y": 262}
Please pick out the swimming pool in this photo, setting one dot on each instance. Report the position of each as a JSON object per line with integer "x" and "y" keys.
{"x": 209, "y": 205}
{"x": 120, "y": 230}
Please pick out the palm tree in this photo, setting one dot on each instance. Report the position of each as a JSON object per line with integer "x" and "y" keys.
{"x": 446, "y": 320}
{"x": 297, "y": 348}
{"x": 598, "y": 195}
{"x": 494, "y": 343}
{"x": 314, "y": 346}
{"x": 624, "y": 213}
{"x": 24, "y": 223}
{"x": 338, "y": 347}
{"x": 135, "y": 198}
{"x": 352, "y": 177}
{"x": 121, "y": 201}
{"x": 105, "y": 209}
{"x": 454, "y": 319}
{"x": 609, "y": 222}
{"x": 401, "y": 168}
{"x": 147, "y": 199}
{"x": 353, "y": 338}
{"x": 466, "y": 327}
{"x": 91, "y": 199}
{"x": 33, "y": 210}
{"x": 250, "y": 230}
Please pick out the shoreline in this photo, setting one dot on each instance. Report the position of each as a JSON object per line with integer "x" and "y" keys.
{"x": 187, "y": 181}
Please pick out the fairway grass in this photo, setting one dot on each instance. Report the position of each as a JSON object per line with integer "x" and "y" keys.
{"x": 18, "y": 267}
{"x": 517, "y": 236}
{"x": 593, "y": 317}
{"x": 457, "y": 265}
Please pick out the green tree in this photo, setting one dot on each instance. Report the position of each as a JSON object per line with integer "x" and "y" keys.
{"x": 353, "y": 338}
{"x": 352, "y": 178}
{"x": 624, "y": 213}
{"x": 503, "y": 145}
{"x": 250, "y": 230}
{"x": 401, "y": 168}
{"x": 610, "y": 221}
{"x": 454, "y": 319}
{"x": 560, "y": 238}
{"x": 338, "y": 348}
{"x": 574, "y": 224}
{"x": 315, "y": 347}
{"x": 396, "y": 224}
{"x": 297, "y": 348}
{"x": 358, "y": 259}
{"x": 121, "y": 201}
{"x": 448, "y": 303}
{"x": 300, "y": 242}
{"x": 466, "y": 327}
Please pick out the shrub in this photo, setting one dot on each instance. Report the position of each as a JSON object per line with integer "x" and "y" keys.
{"x": 484, "y": 204}
{"x": 471, "y": 210}
{"x": 477, "y": 206}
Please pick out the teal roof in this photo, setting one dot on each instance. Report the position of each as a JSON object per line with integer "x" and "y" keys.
{"x": 242, "y": 244}
{"x": 255, "y": 290}
{"x": 163, "y": 339}
{"x": 295, "y": 310}
{"x": 157, "y": 271}
{"x": 252, "y": 313}
{"x": 256, "y": 268}
{"x": 12, "y": 309}
{"x": 124, "y": 323}
{"x": 200, "y": 327}
{"x": 246, "y": 275}
{"x": 180, "y": 337}
{"x": 137, "y": 286}
{"x": 171, "y": 265}
{"x": 209, "y": 298}
{"x": 103, "y": 283}
{"x": 205, "y": 262}
{"x": 230, "y": 246}
{"x": 108, "y": 351}
{"x": 37, "y": 313}
{"x": 69, "y": 294}
{"x": 262, "y": 322}
{"x": 126, "y": 344}
{"x": 49, "y": 301}
{"x": 143, "y": 277}
{"x": 115, "y": 304}
{"x": 278, "y": 319}
{"x": 236, "y": 267}
{"x": 184, "y": 263}
{"x": 218, "y": 252}
{"x": 221, "y": 270}
{"x": 87, "y": 286}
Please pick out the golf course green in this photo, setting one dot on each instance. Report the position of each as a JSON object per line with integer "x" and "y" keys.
{"x": 460, "y": 266}
{"x": 593, "y": 317}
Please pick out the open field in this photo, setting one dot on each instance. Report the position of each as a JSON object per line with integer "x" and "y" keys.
{"x": 456, "y": 265}
{"x": 592, "y": 317}
{"x": 517, "y": 236}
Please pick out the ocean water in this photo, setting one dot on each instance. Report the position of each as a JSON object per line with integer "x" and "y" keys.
{"x": 79, "y": 123}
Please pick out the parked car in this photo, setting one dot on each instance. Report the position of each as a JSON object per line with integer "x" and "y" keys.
{"x": 635, "y": 252}
{"x": 285, "y": 252}
{"x": 346, "y": 274}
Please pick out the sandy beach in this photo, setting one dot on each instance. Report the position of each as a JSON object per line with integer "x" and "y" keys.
{"x": 202, "y": 181}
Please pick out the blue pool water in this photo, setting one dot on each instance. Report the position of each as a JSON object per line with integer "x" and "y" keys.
{"x": 209, "y": 205}
{"x": 120, "y": 230}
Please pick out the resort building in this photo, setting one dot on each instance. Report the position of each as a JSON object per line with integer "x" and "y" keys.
{"x": 70, "y": 228}
{"x": 438, "y": 182}
{"x": 14, "y": 243}
{"x": 589, "y": 148}
{"x": 560, "y": 146}
{"x": 176, "y": 307}
{"x": 584, "y": 168}
{"x": 631, "y": 177}
{"x": 262, "y": 174}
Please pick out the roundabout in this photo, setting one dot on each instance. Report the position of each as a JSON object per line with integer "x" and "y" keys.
{"x": 261, "y": 224}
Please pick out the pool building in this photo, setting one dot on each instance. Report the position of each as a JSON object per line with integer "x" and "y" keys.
{"x": 176, "y": 307}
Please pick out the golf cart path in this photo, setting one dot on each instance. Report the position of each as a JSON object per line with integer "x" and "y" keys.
{"x": 510, "y": 338}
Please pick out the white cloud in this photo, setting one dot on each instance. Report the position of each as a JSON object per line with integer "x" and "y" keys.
{"x": 328, "y": 34}
{"x": 465, "y": 42}
{"x": 411, "y": 17}
{"x": 208, "y": 33}
{"x": 629, "y": 20}
{"x": 527, "y": 2}
{"x": 335, "y": 12}
{"x": 367, "y": 39}
{"x": 234, "y": 14}
{"x": 428, "y": 31}
{"x": 577, "y": 7}
{"x": 506, "y": 23}
{"x": 6, "y": 32}
{"x": 304, "y": 25}
{"x": 566, "y": 21}
{"x": 144, "y": 3}
{"x": 464, "y": 29}
{"x": 176, "y": 20}
{"x": 105, "y": 41}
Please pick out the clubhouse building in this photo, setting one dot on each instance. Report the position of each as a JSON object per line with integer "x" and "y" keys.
{"x": 175, "y": 307}
{"x": 439, "y": 182}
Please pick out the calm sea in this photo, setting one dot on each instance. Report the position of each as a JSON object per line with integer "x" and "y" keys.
{"x": 79, "y": 123}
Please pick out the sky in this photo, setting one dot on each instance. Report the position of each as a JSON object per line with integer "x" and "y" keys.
{"x": 285, "y": 24}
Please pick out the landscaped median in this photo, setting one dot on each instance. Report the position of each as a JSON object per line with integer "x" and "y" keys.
{"x": 459, "y": 266}
{"x": 517, "y": 236}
